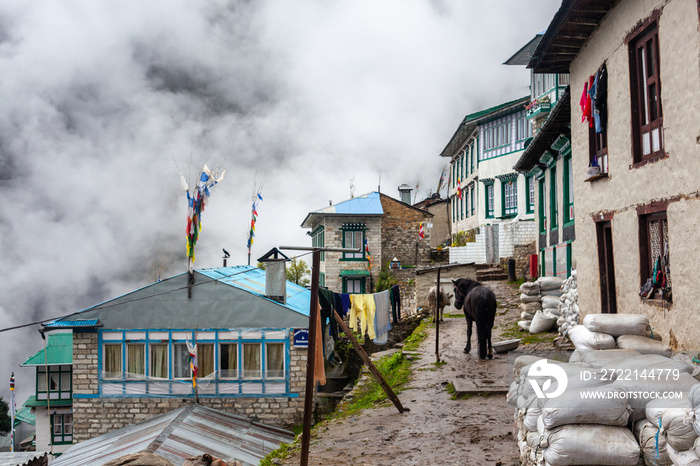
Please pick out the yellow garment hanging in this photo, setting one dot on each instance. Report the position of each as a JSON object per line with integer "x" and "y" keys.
{"x": 363, "y": 308}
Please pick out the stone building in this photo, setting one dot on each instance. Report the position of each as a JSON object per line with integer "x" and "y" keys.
{"x": 547, "y": 160}
{"x": 635, "y": 169}
{"x": 441, "y": 230}
{"x": 387, "y": 227}
{"x": 130, "y": 359}
{"x": 491, "y": 204}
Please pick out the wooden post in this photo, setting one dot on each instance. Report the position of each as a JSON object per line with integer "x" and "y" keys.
{"x": 437, "y": 318}
{"x": 385, "y": 386}
{"x": 310, "y": 360}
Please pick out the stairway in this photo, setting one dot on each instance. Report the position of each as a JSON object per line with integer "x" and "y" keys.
{"x": 486, "y": 272}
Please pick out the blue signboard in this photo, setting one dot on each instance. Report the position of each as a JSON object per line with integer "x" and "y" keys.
{"x": 301, "y": 337}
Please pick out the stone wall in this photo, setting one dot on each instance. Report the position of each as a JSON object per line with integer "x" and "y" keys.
{"x": 97, "y": 416}
{"x": 407, "y": 289}
{"x": 400, "y": 225}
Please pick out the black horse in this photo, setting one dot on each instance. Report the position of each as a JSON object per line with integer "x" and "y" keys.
{"x": 479, "y": 304}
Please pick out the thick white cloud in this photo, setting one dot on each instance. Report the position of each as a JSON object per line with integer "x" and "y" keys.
{"x": 101, "y": 101}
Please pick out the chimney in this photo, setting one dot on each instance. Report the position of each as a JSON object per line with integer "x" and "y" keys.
{"x": 405, "y": 191}
{"x": 275, "y": 275}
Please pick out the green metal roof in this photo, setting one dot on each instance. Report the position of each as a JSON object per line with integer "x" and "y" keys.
{"x": 59, "y": 348}
{"x": 25, "y": 415}
{"x": 32, "y": 402}
{"x": 488, "y": 111}
{"x": 346, "y": 273}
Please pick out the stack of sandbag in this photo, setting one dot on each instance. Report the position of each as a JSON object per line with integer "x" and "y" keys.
{"x": 666, "y": 428}
{"x": 585, "y": 340}
{"x": 679, "y": 453}
{"x": 530, "y": 303}
{"x": 631, "y": 331}
{"x": 550, "y": 286}
{"x": 568, "y": 305}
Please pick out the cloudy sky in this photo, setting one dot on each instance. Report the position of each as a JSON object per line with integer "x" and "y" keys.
{"x": 103, "y": 104}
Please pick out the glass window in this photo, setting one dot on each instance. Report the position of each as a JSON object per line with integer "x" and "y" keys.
{"x": 489, "y": 200}
{"x": 135, "y": 360}
{"x": 65, "y": 381}
{"x": 354, "y": 285}
{"x": 275, "y": 360}
{"x": 471, "y": 194}
{"x": 542, "y": 209}
{"x": 510, "y": 197}
{"x": 181, "y": 361}
{"x": 554, "y": 210}
{"x": 41, "y": 380}
{"x": 530, "y": 194}
{"x": 251, "y": 361}
{"x": 228, "y": 360}
{"x": 112, "y": 364}
{"x": 158, "y": 365}
{"x": 205, "y": 359}
{"x": 568, "y": 190}
{"x": 353, "y": 239}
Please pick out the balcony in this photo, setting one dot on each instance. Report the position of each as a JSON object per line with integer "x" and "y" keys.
{"x": 538, "y": 108}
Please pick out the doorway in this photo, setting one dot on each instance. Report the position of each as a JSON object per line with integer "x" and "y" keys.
{"x": 606, "y": 266}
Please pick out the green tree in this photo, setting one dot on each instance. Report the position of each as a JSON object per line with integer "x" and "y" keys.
{"x": 4, "y": 417}
{"x": 297, "y": 272}
{"x": 261, "y": 265}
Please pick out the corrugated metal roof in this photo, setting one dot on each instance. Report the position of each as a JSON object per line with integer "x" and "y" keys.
{"x": 20, "y": 458}
{"x": 73, "y": 323}
{"x": 59, "y": 348}
{"x": 25, "y": 415}
{"x": 180, "y": 434}
{"x": 253, "y": 280}
{"x": 366, "y": 204}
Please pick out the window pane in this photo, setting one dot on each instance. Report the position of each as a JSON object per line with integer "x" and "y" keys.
{"x": 228, "y": 355}
{"x": 251, "y": 360}
{"x": 159, "y": 361}
{"x": 181, "y": 361}
{"x": 53, "y": 381}
{"x": 135, "y": 362}
{"x": 68, "y": 424}
{"x": 41, "y": 381}
{"x": 205, "y": 359}
{"x": 57, "y": 427}
{"x": 275, "y": 360}
{"x": 112, "y": 361}
{"x": 65, "y": 381}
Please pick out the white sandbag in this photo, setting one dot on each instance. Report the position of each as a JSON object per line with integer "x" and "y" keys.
{"x": 530, "y": 419}
{"x": 642, "y": 391}
{"x": 533, "y": 439}
{"x": 678, "y": 428}
{"x": 577, "y": 376}
{"x": 530, "y": 307}
{"x": 653, "y": 445}
{"x": 655, "y": 408}
{"x": 617, "y": 324}
{"x": 572, "y": 407}
{"x": 530, "y": 288}
{"x": 583, "y": 339}
{"x": 590, "y": 444}
{"x": 697, "y": 446}
{"x": 512, "y": 395}
{"x": 549, "y": 283}
{"x": 694, "y": 395}
{"x": 550, "y": 302}
{"x": 524, "y": 325}
{"x": 542, "y": 323}
{"x": 604, "y": 358}
{"x": 527, "y": 315}
{"x": 682, "y": 458}
{"x": 575, "y": 356}
{"x": 552, "y": 312}
{"x": 524, "y": 298}
{"x": 654, "y": 335}
{"x": 688, "y": 360}
{"x": 560, "y": 321}
{"x": 522, "y": 361}
{"x": 642, "y": 344}
{"x": 555, "y": 293}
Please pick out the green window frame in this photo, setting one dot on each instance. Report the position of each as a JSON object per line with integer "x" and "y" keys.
{"x": 471, "y": 157}
{"x": 489, "y": 201}
{"x": 529, "y": 194}
{"x": 454, "y": 210}
{"x": 60, "y": 382}
{"x": 542, "y": 209}
{"x": 471, "y": 194}
{"x": 509, "y": 198}
{"x": 62, "y": 429}
{"x": 553, "y": 208}
{"x": 354, "y": 237}
{"x": 466, "y": 203}
{"x": 568, "y": 191}
{"x": 318, "y": 240}
{"x": 354, "y": 285}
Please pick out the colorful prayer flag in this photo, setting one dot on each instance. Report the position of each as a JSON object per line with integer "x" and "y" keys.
{"x": 192, "y": 349}
{"x": 197, "y": 199}
{"x": 13, "y": 407}
{"x": 369, "y": 256}
{"x": 421, "y": 234}
{"x": 459, "y": 187}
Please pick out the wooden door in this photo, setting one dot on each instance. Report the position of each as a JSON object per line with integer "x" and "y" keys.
{"x": 606, "y": 267}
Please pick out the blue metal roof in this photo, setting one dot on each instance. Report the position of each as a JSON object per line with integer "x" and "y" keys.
{"x": 252, "y": 279}
{"x": 72, "y": 323}
{"x": 366, "y": 204}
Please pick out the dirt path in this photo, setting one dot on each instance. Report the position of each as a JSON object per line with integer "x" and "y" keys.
{"x": 438, "y": 429}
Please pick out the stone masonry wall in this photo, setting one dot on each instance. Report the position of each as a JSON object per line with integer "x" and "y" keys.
{"x": 400, "y": 225}
{"x": 97, "y": 416}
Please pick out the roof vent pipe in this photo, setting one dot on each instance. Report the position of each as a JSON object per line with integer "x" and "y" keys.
{"x": 275, "y": 264}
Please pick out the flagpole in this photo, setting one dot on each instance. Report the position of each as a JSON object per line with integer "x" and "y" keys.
{"x": 12, "y": 412}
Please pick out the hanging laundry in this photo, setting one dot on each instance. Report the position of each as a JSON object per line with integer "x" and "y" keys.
{"x": 591, "y": 98}
{"x": 600, "y": 103}
{"x": 326, "y": 299}
{"x": 588, "y": 109}
{"x": 582, "y": 102}
{"x": 319, "y": 365}
{"x": 396, "y": 303}
{"x": 345, "y": 302}
{"x": 362, "y": 308}
{"x": 382, "y": 323}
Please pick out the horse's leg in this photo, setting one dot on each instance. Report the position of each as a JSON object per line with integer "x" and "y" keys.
{"x": 490, "y": 355}
{"x": 481, "y": 334}
{"x": 468, "y": 348}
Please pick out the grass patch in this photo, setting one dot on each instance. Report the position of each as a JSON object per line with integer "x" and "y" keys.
{"x": 286, "y": 450}
{"x": 512, "y": 331}
{"x": 517, "y": 283}
{"x": 464, "y": 396}
{"x": 452, "y": 316}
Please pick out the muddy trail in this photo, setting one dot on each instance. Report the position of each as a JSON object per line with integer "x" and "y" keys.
{"x": 441, "y": 428}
